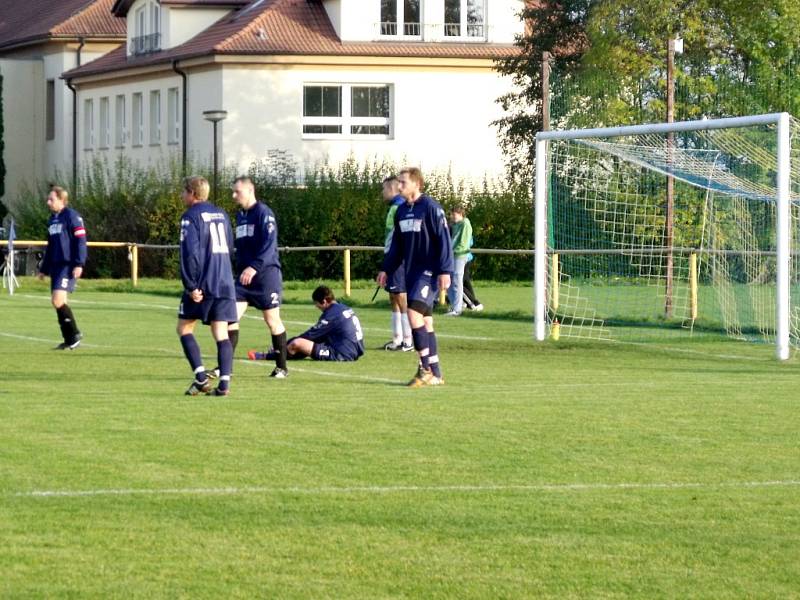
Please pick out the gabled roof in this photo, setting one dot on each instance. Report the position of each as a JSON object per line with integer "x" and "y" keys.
{"x": 286, "y": 27}
{"x": 24, "y": 22}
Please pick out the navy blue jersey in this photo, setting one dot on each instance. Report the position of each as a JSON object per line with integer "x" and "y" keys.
{"x": 206, "y": 237}
{"x": 420, "y": 241}
{"x": 256, "y": 238}
{"x": 66, "y": 242}
{"x": 339, "y": 328}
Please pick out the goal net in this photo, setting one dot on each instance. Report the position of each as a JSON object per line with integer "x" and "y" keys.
{"x": 650, "y": 231}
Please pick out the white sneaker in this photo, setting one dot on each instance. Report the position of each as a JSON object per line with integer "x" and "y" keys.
{"x": 451, "y": 313}
{"x": 478, "y": 308}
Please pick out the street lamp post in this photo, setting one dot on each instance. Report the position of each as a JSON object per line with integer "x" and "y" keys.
{"x": 215, "y": 116}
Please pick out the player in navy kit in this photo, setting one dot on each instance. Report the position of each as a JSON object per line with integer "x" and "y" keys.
{"x": 421, "y": 246}
{"x": 336, "y": 336}
{"x": 63, "y": 261}
{"x": 208, "y": 286}
{"x": 259, "y": 281}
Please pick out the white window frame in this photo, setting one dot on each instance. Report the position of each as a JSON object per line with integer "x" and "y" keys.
{"x": 137, "y": 119}
{"x": 464, "y": 25}
{"x": 401, "y": 23}
{"x": 88, "y": 124}
{"x": 346, "y": 120}
{"x": 140, "y": 21}
{"x": 155, "y": 117}
{"x": 120, "y": 121}
{"x": 155, "y": 18}
{"x": 105, "y": 123}
{"x": 173, "y": 116}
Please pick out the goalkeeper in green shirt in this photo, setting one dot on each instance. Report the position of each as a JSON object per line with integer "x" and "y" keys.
{"x": 461, "y": 234}
{"x": 396, "y": 285}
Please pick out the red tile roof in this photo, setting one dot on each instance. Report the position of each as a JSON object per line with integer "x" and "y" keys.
{"x": 287, "y": 27}
{"x": 34, "y": 21}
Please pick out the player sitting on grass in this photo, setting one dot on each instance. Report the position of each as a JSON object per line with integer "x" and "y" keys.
{"x": 336, "y": 336}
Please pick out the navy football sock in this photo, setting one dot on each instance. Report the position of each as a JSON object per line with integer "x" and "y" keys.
{"x": 421, "y": 345}
{"x": 192, "y": 352}
{"x": 225, "y": 358}
{"x": 279, "y": 344}
{"x": 433, "y": 358}
{"x": 66, "y": 320}
{"x": 233, "y": 336}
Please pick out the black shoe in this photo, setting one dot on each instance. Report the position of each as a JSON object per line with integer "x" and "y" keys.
{"x": 279, "y": 373}
{"x": 71, "y": 345}
{"x": 218, "y": 392}
{"x": 199, "y": 387}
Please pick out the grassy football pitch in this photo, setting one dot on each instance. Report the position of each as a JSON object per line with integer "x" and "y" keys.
{"x": 563, "y": 470}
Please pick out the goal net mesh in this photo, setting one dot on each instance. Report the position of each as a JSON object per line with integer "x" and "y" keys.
{"x": 622, "y": 265}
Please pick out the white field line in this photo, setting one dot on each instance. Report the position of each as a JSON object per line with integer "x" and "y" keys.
{"x": 246, "y": 316}
{"x": 404, "y": 489}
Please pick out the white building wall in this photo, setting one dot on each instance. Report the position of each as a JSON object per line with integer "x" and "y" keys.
{"x": 23, "y": 135}
{"x": 359, "y": 20}
{"x": 145, "y": 153}
{"x": 441, "y": 117}
{"x": 504, "y": 22}
{"x": 180, "y": 24}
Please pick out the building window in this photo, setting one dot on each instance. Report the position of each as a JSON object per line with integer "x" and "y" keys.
{"x": 347, "y": 110}
{"x": 401, "y": 17}
{"x": 50, "y": 124}
{"x": 464, "y": 18}
{"x": 155, "y": 117}
{"x": 88, "y": 124}
{"x": 105, "y": 123}
{"x": 173, "y": 117}
{"x": 120, "y": 122}
{"x": 146, "y": 36}
{"x": 137, "y": 119}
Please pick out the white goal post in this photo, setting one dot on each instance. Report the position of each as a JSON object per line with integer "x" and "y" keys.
{"x": 779, "y": 187}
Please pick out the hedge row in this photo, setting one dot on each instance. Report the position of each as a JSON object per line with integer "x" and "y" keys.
{"x": 332, "y": 205}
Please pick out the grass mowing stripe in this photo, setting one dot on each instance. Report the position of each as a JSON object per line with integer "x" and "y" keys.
{"x": 246, "y": 316}
{"x": 400, "y": 489}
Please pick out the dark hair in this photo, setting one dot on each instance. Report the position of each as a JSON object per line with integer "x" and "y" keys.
{"x": 323, "y": 293}
{"x": 390, "y": 179}
{"x": 244, "y": 179}
{"x": 459, "y": 208}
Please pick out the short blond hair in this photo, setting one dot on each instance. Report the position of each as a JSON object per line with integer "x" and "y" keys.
{"x": 415, "y": 175}
{"x": 197, "y": 186}
{"x": 60, "y": 193}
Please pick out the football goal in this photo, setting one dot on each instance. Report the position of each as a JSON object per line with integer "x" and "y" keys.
{"x": 660, "y": 230}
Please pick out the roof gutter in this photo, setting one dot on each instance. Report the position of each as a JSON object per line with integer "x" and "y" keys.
{"x": 75, "y": 121}
{"x": 184, "y": 119}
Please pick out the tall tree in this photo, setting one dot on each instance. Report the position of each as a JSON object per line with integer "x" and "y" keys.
{"x": 609, "y": 63}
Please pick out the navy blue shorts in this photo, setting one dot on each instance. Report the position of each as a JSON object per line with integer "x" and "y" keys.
{"x": 62, "y": 280}
{"x": 423, "y": 289}
{"x": 396, "y": 283}
{"x": 322, "y": 351}
{"x": 265, "y": 290}
{"x": 210, "y": 309}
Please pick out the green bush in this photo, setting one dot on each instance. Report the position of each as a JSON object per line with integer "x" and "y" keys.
{"x": 332, "y": 206}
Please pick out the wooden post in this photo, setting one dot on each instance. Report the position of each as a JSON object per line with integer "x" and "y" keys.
{"x": 693, "y": 285}
{"x": 133, "y": 252}
{"x": 546, "y": 91}
{"x": 347, "y": 272}
{"x": 554, "y": 281}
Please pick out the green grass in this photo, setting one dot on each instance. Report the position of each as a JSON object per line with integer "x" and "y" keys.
{"x": 561, "y": 470}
